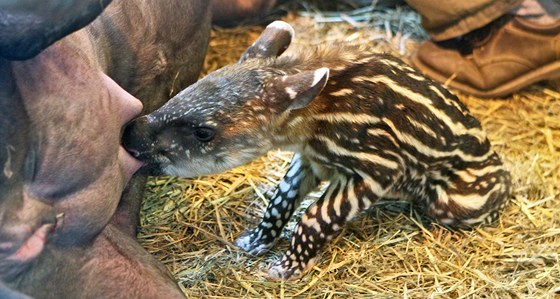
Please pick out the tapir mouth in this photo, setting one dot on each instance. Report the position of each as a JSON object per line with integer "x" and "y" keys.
{"x": 129, "y": 163}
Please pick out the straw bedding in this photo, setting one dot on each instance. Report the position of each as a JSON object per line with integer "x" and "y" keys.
{"x": 190, "y": 224}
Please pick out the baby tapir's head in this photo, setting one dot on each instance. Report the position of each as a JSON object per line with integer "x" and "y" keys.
{"x": 227, "y": 118}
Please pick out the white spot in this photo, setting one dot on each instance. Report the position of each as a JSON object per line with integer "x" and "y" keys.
{"x": 292, "y": 193}
{"x": 312, "y": 223}
{"x": 293, "y": 170}
{"x": 284, "y": 187}
{"x": 447, "y": 221}
{"x": 291, "y": 93}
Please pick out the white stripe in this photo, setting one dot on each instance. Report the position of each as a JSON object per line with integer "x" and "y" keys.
{"x": 334, "y": 148}
{"x": 325, "y": 207}
{"x": 338, "y": 199}
{"x": 456, "y": 128}
{"x": 486, "y": 170}
{"x": 416, "y": 77}
{"x": 473, "y": 201}
{"x": 470, "y": 175}
{"x": 342, "y": 92}
{"x": 400, "y": 66}
{"x": 381, "y": 132}
{"x": 353, "y": 200}
{"x": 421, "y": 126}
{"x": 356, "y": 118}
{"x": 426, "y": 150}
{"x": 448, "y": 101}
{"x": 374, "y": 186}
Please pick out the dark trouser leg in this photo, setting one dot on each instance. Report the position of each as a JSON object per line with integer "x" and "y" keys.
{"x": 449, "y": 19}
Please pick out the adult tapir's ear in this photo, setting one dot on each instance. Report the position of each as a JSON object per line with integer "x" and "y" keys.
{"x": 297, "y": 91}
{"x": 274, "y": 40}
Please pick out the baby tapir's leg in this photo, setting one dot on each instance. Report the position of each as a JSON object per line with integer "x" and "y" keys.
{"x": 342, "y": 201}
{"x": 298, "y": 181}
{"x": 470, "y": 196}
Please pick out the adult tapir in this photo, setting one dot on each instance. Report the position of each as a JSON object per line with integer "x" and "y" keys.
{"x": 66, "y": 229}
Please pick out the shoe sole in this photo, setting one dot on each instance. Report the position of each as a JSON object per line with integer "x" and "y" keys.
{"x": 547, "y": 72}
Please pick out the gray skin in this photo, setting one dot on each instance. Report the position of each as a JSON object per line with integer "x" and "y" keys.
{"x": 67, "y": 217}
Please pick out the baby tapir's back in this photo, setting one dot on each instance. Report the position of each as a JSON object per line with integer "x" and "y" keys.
{"x": 380, "y": 119}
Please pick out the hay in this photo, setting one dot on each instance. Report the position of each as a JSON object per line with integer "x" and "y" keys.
{"x": 388, "y": 252}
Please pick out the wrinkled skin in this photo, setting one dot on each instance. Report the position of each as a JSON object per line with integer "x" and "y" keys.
{"x": 64, "y": 230}
{"x": 68, "y": 209}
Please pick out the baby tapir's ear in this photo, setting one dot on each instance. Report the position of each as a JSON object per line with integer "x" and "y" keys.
{"x": 297, "y": 91}
{"x": 274, "y": 40}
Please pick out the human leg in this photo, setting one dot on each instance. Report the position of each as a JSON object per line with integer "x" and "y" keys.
{"x": 513, "y": 52}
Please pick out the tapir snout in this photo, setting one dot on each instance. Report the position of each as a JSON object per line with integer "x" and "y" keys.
{"x": 137, "y": 138}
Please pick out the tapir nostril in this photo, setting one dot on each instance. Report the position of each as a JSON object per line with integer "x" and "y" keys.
{"x": 134, "y": 153}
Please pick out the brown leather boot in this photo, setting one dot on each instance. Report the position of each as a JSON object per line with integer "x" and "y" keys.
{"x": 515, "y": 55}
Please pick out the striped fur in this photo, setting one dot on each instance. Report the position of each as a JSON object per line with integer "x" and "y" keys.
{"x": 376, "y": 128}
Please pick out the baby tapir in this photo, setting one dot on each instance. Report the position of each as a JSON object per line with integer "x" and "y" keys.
{"x": 366, "y": 122}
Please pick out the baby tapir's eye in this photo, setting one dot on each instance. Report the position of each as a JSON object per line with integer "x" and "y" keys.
{"x": 204, "y": 134}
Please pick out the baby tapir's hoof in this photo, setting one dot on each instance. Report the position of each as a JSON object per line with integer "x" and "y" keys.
{"x": 290, "y": 268}
{"x": 254, "y": 242}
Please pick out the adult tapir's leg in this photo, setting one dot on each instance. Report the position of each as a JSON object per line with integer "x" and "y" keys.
{"x": 135, "y": 274}
{"x": 127, "y": 215}
{"x": 27, "y": 28}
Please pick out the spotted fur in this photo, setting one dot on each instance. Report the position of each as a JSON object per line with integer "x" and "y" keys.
{"x": 365, "y": 122}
